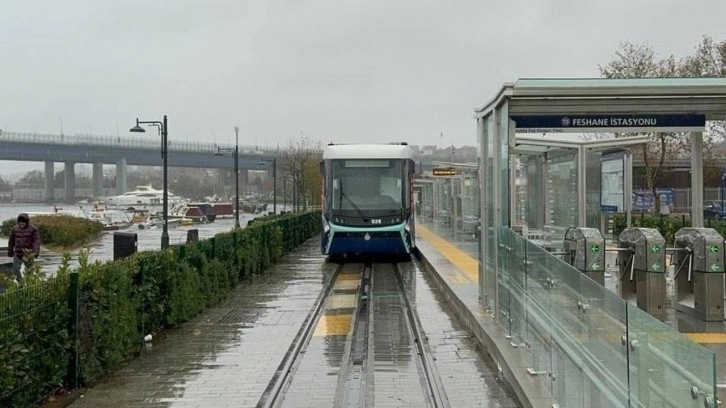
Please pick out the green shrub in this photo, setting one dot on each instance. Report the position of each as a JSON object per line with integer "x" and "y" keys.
{"x": 666, "y": 225}
{"x": 59, "y": 230}
{"x": 122, "y": 301}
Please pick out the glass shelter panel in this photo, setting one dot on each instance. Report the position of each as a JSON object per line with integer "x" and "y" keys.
{"x": 561, "y": 195}
{"x": 589, "y": 346}
{"x": 666, "y": 368}
{"x": 490, "y": 262}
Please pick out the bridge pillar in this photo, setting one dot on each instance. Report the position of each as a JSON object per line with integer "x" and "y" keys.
{"x": 222, "y": 183}
{"x": 70, "y": 181}
{"x": 97, "y": 180}
{"x": 49, "y": 177}
{"x": 121, "y": 175}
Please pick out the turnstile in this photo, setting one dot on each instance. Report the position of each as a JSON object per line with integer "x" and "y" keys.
{"x": 585, "y": 250}
{"x": 641, "y": 263}
{"x": 699, "y": 273}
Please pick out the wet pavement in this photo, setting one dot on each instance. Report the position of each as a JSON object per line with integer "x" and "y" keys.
{"x": 396, "y": 374}
{"x": 315, "y": 379}
{"x": 468, "y": 373}
{"x": 226, "y": 356}
{"x": 390, "y": 371}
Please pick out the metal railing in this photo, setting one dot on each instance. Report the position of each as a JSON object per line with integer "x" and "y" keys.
{"x": 131, "y": 142}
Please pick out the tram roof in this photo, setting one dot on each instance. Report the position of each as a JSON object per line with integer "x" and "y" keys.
{"x": 367, "y": 151}
{"x": 542, "y": 96}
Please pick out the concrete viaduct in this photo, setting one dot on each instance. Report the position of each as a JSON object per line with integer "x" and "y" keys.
{"x": 121, "y": 151}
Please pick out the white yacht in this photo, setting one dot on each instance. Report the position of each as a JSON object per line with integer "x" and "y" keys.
{"x": 143, "y": 195}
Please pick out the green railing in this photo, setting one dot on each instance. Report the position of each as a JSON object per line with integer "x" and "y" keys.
{"x": 589, "y": 346}
{"x": 73, "y": 329}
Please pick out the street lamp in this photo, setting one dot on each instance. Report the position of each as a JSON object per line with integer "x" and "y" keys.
{"x": 262, "y": 162}
{"x": 235, "y": 152}
{"x": 165, "y": 209}
{"x": 284, "y": 192}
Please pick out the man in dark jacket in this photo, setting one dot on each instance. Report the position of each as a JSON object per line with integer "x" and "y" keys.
{"x": 24, "y": 244}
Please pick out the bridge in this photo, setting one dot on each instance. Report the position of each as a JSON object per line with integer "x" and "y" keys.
{"x": 121, "y": 152}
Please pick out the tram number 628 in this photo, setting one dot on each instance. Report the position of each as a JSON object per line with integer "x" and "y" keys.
{"x": 376, "y": 221}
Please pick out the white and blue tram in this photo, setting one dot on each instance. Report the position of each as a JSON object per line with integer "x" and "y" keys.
{"x": 367, "y": 199}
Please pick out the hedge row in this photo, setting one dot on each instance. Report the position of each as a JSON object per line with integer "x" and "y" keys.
{"x": 119, "y": 302}
{"x": 59, "y": 230}
{"x": 667, "y": 225}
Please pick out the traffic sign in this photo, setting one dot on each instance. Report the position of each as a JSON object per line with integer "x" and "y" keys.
{"x": 595, "y": 248}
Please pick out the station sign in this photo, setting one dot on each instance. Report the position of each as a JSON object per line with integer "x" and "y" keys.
{"x": 444, "y": 171}
{"x": 609, "y": 123}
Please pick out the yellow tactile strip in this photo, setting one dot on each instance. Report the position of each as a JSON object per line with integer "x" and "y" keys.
{"x": 461, "y": 259}
{"x": 712, "y": 338}
{"x": 333, "y": 325}
{"x": 339, "y": 308}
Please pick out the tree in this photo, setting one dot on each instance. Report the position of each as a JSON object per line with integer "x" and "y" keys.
{"x": 32, "y": 179}
{"x": 5, "y": 185}
{"x": 641, "y": 61}
{"x": 302, "y": 160}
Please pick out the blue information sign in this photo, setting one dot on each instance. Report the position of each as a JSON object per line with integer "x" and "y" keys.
{"x": 609, "y": 123}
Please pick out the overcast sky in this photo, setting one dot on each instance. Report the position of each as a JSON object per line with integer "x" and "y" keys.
{"x": 345, "y": 71}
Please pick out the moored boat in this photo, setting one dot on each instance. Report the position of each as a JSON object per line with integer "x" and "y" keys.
{"x": 223, "y": 210}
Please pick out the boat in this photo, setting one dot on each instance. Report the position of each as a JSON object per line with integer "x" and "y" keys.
{"x": 223, "y": 210}
{"x": 254, "y": 207}
{"x": 112, "y": 220}
{"x": 143, "y": 195}
{"x": 186, "y": 212}
{"x": 207, "y": 209}
{"x": 143, "y": 219}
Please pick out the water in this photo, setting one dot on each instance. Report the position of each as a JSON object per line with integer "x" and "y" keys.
{"x": 101, "y": 248}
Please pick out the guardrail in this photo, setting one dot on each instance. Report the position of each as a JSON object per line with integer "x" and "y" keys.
{"x": 124, "y": 142}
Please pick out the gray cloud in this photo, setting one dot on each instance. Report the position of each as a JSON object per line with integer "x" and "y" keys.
{"x": 343, "y": 71}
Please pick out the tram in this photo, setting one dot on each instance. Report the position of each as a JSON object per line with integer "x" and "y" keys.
{"x": 367, "y": 199}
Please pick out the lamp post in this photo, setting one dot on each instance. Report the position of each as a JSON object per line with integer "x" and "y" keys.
{"x": 235, "y": 153}
{"x": 162, "y": 126}
{"x": 284, "y": 192}
{"x": 274, "y": 181}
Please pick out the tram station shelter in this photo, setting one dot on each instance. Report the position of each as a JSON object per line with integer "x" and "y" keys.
{"x": 522, "y": 135}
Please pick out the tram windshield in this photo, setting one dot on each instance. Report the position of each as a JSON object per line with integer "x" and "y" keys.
{"x": 367, "y": 186}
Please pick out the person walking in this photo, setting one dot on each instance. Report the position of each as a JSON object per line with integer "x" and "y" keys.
{"x": 24, "y": 244}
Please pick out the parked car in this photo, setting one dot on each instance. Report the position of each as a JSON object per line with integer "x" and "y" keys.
{"x": 714, "y": 210}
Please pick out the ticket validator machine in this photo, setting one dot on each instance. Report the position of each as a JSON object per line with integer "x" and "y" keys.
{"x": 585, "y": 250}
{"x": 641, "y": 264}
{"x": 699, "y": 273}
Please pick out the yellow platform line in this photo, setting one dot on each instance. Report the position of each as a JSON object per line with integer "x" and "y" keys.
{"x": 713, "y": 338}
{"x": 461, "y": 259}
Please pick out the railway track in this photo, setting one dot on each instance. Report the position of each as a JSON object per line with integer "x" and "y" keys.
{"x": 361, "y": 345}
